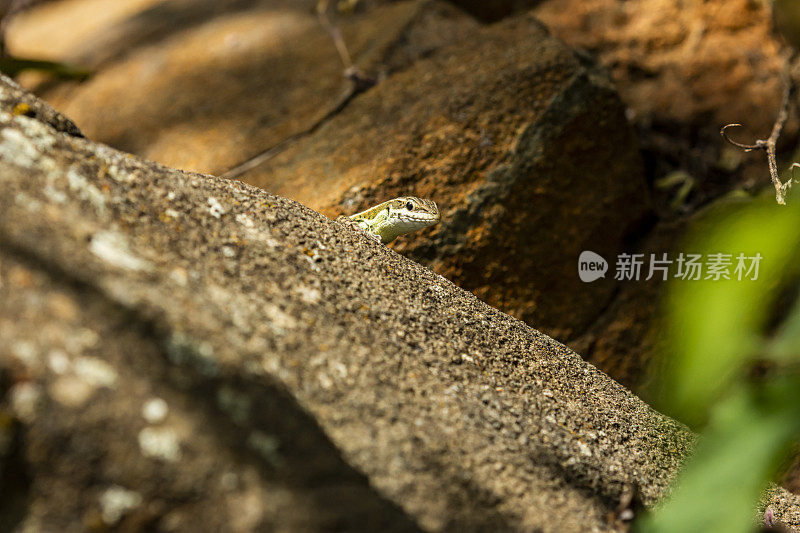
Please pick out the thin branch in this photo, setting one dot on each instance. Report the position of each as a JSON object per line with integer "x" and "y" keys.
{"x": 351, "y": 72}
{"x": 769, "y": 145}
{"x": 336, "y": 35}
{"x": 759, "y": 145}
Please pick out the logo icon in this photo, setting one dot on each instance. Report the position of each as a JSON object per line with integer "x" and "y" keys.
{"x": 591, "y": 266}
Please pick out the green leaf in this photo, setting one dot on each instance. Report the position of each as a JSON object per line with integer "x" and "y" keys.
{"x": 748, "y": 435}
{"x": 715, "y": 327}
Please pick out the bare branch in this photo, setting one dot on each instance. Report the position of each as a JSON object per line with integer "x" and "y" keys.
{"x": 360, "y": 81}
{"x": 333, "y": 31}
{"x": 769, "y": 145}
{"x": 746, "y": 147}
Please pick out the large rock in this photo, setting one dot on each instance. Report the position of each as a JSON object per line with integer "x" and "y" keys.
{"x": 183, "y": 352}
{"x": 683, "y": 66}
{"x": 205, "y": 84}
{"x": 524, "y": 145}
{"x": 683, "y": 69}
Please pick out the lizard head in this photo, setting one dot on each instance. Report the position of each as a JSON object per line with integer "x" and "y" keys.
{"x": 407, "y": 214}
{"x": 391, "y": 219}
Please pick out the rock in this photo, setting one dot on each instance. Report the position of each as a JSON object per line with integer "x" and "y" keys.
{"x": 524, "y": 145}
{"x": 313, "y": 379}
{"x": 21, "y": 102}
{"x": 684, "y": 69}
{"x": 225, "y": 73}
{"x": 219, "y": 121}
{"x": 713, "y": 61}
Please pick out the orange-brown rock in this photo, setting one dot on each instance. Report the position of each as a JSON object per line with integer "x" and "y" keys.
{"x": 203, "y": 85}
{"x": 525, "y": 146}
{"x": 715, "y": 61}
{"x": 683, "y": 69}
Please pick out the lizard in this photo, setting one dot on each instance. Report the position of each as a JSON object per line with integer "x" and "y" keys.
{"x": 388, "y": 220}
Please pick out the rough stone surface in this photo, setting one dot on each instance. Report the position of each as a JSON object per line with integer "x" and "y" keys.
{"x": 22, "y": 102}
{"x": 715, "y": 60}
{"x": 312, "y": 378}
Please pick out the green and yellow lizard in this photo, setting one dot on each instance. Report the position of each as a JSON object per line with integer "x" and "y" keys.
{"x": 388, "y": 220}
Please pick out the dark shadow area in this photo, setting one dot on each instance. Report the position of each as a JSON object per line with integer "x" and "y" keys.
{"x": 15, "y": 481}
{"x": 494, "y": 10}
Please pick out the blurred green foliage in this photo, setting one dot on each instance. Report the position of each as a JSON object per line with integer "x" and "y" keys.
{"x": 11, "y": 66}
{"x": 731, "y": 369}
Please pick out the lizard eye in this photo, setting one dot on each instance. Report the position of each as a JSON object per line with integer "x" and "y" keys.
{"x": 410, "y": 206}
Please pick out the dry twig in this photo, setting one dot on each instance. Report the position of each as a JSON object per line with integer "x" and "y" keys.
{"x": 351, "y": 72}
{"x": 769, "y": 145}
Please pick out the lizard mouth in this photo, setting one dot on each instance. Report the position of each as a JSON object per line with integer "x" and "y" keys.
{"x": 416, "y": 217}
{"x": 419, "y": 218}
